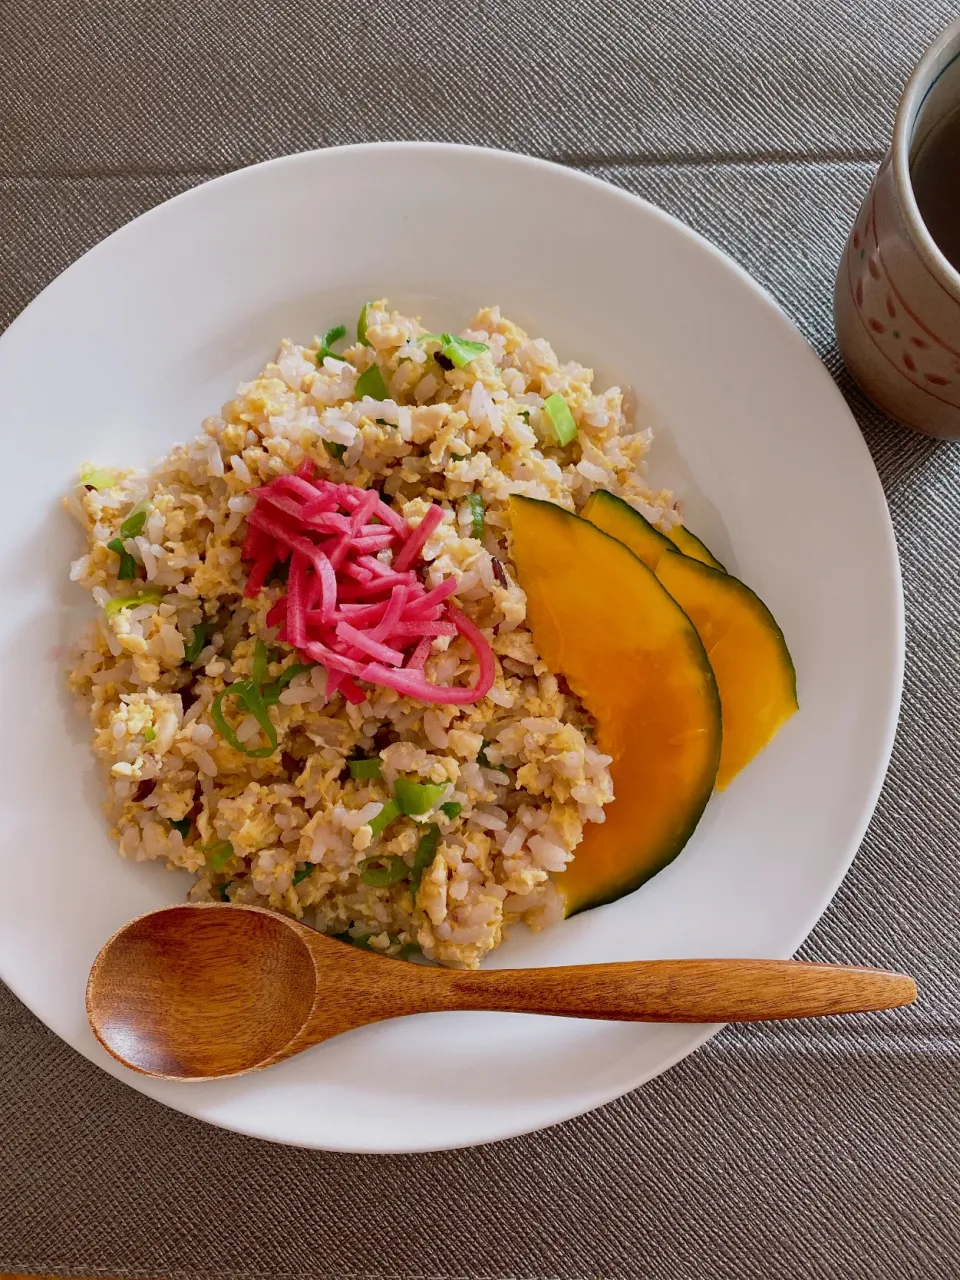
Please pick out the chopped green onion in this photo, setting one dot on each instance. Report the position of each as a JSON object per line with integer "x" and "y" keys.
{"x": 335, "y": 450}
{"x": 182, "y": 825}
{"x": 128, "y": 566}
{"x": 423, "y": 858}
{"x": 132, "y": 527}
{"x": 362, "y": 326}
{"x": 417, "y": 797}
{"x": 294, "y": 669}
{"x": 379, "y": 871}
{"x": 461, "y": 350}
{"x": 409, "y": 950}
{"x": 561, "y": 419}
{"x": 371, "y": 383}
{"x": 222, "y": 890}
{"x": 482, "y": 755}
{"x": 301, "y": 873}
{"x": 475, "y": 503}
{"x": 149, "y": 595}
{"x": 192, "y": 651}
{"x": 452, "y": 809}
{"x": 149, "y": 734}
{"x": 458, "y": 351}
{"x": 525, "y": 415}
{"x": 219, "y": 853}
{"x": 386, "y": 815}
{"x": 362, "y": 943}
{"x": 98, "y": 477}
{"x": 249, "y": 696}
{"x": 258, "y": 671}
{"x": 365, "y": 768}
{"x": 327, "y": 341}
{"x": 271, "y": 692}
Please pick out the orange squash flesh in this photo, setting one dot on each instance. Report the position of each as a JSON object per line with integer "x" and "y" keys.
{"x": 600, "y": 618}
{"x": 746, "y": 648}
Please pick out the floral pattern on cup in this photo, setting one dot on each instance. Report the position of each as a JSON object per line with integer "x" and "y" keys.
{"x": 922, "y": 357}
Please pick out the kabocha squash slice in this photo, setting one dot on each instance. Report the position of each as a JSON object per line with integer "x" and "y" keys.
{"x": 750, "y": 659}
{"x": 600, "y": 618}
{"x": 746, "y": 648}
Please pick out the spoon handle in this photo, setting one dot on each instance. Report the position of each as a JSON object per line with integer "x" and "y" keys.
{"x": 679, "y": 990}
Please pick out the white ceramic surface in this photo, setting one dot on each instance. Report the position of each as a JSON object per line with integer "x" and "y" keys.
{"x": 149, "y": 332}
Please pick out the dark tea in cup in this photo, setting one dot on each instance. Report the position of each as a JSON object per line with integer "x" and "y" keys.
{"x": 935, "y": 174}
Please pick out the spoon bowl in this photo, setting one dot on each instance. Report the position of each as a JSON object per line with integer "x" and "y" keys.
{"x": 190, "y": 994}
{"x": 204, "y": 991}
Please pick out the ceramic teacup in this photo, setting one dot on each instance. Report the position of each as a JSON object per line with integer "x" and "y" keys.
{"x": 897, "y": 299}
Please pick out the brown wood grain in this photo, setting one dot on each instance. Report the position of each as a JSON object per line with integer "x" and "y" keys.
{"x": 204, "y": 990}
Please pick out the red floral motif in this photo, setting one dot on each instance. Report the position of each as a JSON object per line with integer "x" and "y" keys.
{"x": 929, "y": 362}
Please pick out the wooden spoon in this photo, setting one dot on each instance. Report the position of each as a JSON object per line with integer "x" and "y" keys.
{"x": 204, "y": 991}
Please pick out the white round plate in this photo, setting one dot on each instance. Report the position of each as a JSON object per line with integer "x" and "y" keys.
{"x": 150, "y": 332}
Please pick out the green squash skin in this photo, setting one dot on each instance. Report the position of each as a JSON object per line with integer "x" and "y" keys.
{"x": 656, "y": 544}
{"x": 649, "y": 861}
{"x": 658, "y": 541}
{"x": 689, "y": 545}
{"x": 640, "y": 878}
{"x": 672, "y": 850}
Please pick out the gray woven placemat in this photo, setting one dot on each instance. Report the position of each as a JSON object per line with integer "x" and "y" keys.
{"x": 794, "y": 1152}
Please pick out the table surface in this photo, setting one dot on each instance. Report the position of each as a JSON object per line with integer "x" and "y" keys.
{"x": 795, "y": 1151}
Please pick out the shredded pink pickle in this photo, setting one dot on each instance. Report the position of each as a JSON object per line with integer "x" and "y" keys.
{"x": 362, "y": 619}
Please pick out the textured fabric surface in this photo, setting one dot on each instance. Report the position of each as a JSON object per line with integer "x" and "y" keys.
{"x": 797, "y": 1151}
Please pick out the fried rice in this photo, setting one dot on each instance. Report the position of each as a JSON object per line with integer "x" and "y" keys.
{"x": 291, "y": 832}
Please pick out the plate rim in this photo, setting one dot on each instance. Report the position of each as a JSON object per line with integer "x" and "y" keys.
{"x": 896, "y": 641}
